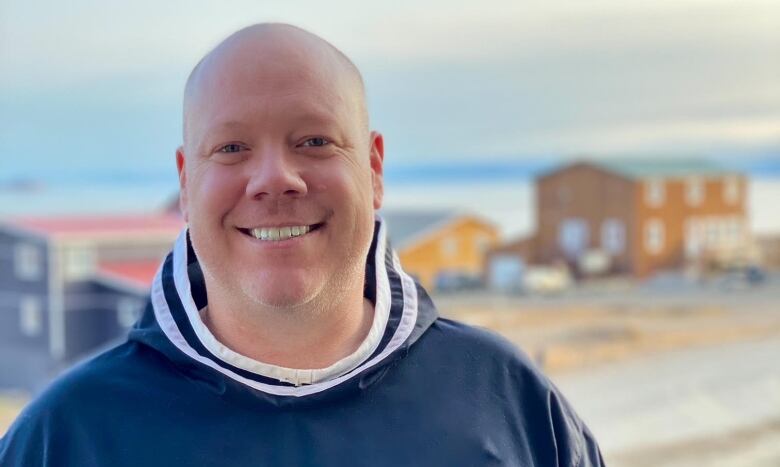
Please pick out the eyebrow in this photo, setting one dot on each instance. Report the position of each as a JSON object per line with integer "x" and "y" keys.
{"x": 315, "y": 117}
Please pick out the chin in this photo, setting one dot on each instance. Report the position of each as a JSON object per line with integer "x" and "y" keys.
{"x": 280, "y": 294}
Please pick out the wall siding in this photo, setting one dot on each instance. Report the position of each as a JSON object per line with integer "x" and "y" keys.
{"x": 674, "y": 213}
{"x": 589, "y": 193}
{"x": 426, "y": 259}
{"x": 91, "y": 316}
{"x": 13, "y": 288}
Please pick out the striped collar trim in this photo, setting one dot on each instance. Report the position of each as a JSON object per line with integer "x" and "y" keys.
{"x": 178, "y": 317}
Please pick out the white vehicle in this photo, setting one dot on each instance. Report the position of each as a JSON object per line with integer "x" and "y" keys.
{"x": 546, "y": 279}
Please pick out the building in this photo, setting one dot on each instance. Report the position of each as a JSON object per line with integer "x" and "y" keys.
{"x": 643, "y": 215}
{"x": 442, "y": 249}
{"x": 769, "y": 251}
{"x": 69, "y": 285}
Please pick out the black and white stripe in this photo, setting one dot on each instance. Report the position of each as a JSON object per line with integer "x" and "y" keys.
{"x": 396, "y": 310}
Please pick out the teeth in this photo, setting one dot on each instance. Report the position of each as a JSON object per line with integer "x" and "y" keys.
{"x": 279, "y": 233}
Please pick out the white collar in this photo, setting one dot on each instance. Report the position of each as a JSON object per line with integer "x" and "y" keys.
{"x": 295, "y": 376}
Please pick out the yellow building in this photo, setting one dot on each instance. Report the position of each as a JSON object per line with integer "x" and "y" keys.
{"x": 441, "y": 248}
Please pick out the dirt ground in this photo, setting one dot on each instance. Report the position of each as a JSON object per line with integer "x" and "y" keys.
{"x": 10, "y": 406}
{"x": 571, "y": 336}
{"x": 757, "y": 446}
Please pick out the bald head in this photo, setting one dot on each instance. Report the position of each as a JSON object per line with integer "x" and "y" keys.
{"x": 266, "y": 49}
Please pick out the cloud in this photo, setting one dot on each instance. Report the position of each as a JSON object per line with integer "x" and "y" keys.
{"x": 672, "y": 137}
{"x": 445, "y": 78}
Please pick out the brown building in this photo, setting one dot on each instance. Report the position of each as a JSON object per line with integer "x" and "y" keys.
{"x": 644, "y": 215}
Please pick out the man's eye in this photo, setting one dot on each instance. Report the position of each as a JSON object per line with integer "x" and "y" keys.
{"x": 230, "y": 148}
{"x": 315, "y": 142}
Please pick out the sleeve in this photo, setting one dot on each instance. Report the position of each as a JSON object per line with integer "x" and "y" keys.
{"x": 25, "y": 443}
{"x": 46, "y": 435}
{"x": 575, "y": 444}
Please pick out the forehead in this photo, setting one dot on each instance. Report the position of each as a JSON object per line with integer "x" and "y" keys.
{"x": 284, "y": 82}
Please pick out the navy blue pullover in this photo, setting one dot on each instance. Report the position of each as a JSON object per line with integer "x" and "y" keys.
{"x": 434, "y": 392}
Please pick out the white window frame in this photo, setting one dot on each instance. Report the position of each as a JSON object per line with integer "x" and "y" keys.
{"x": 79, "y": 261}
{"x": 695, "y": 188}
{"x": 449, "y": 246}
{"x": 712, "y": 231}
{"x": 694, "y": 238}
{"x": 655, "y": 192}
{"x": 28, "y": 261}
{"x": 735, "y": 229}
{"x": 481, "y": 243}
{"x": 30, "y": 315}
{"x": 573, "y": 236}
{"x": 655, "y": 236}
{"x": 613, "y": 236}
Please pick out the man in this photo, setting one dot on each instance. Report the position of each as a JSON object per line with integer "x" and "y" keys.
{"x": 281, "y": 329}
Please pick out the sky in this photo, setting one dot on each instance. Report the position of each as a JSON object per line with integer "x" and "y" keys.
{"x": 94, "y": 86}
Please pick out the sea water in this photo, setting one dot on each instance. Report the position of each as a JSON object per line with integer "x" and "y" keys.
{"x": 508, "y": 203}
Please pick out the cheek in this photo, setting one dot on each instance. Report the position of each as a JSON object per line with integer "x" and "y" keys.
{"x": 347, "y": 185}
{"x": 213, "y": 193}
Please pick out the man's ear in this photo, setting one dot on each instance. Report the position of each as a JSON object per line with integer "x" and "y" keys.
{"x": 180, "y": 160}
{"x": 377, "y": 158}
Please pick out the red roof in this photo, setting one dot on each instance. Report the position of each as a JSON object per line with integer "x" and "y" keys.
{"x": 81, "y": 225}
{"x": 138, "y": 273}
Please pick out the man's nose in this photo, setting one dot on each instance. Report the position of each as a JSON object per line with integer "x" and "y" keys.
{"x": 275, "y": 173}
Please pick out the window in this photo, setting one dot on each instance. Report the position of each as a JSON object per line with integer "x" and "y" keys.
{"x": 449, "y": 247}
{"x": 127, "y": 311}
{"x": 654, "y": 192}
{"x": 613, "y": 236}
{"x": 27, "y": 261}
{"x": 694, "y": 191}
{"x": 712, "y": 232}
{"x": 731, "y": 189}
{"x": 694, "y": 237}
{"x": 734, "y": 229}
{"x": 481, "y": 243}
{"x": 573, "y": 236}
{"x": 79, "y": 262}
{"x": 654, "y": 236}
{"x": 30, "y": 318}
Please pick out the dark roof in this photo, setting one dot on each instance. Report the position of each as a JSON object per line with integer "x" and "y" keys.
{"x": 645, "y": 167}
{"x": 405, "y": 225}
{"x": 662, "y": 167}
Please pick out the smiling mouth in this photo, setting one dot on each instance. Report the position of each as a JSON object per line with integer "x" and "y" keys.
{"x": 278, "y": 234}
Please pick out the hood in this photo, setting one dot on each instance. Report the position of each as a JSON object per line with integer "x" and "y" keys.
{"x": 171, "y": 326}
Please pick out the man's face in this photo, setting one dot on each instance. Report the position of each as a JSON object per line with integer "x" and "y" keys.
{"x": 279, "y": 151}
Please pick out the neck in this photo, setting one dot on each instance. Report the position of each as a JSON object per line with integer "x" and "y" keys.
{"x": 307, "y": 337}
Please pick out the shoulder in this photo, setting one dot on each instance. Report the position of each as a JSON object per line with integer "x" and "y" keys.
{"x": 59, "y": 422}
{"x": 102, "y": 378}
{"x": 473, "y": 345}
{"x": 491, "y": 364}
